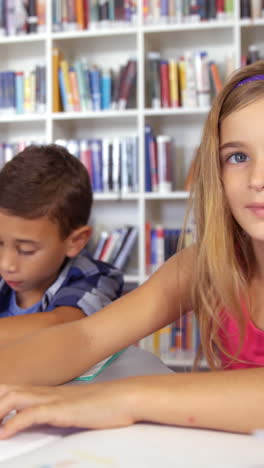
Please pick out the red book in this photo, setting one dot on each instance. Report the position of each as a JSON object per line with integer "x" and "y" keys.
{"x": 86, "y": 157}
{"x": 153, "y": 159}
{"x": 127, "y": 83}
{"x": 220, "y": 9}
{"x": 105, "y": 247}
{"x": 164, "y": 84}
{"x": 86, "y": 12}
{"x": 148, "y": 246}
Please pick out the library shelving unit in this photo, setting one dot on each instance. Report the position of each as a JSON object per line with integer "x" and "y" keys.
{"x": 112, "y": 47}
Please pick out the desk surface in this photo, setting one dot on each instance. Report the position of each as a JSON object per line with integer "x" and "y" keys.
{"x": 138, "y": 446}
{"x": 147, "y": 446}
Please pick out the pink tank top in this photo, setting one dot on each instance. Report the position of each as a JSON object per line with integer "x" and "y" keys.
{"x": 252, "y": 350}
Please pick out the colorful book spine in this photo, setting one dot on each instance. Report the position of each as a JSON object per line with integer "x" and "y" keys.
{"x": 64, "y": 66}
{"x": 105, "y": 90}
{"x": 127, "y": 83}
{"x": 19, "y": 87}
{"x": 164, "y": 84}
{"x": 148, "y": 136}
{"x": 126, "y": 250}
{"x": 32, "y": 19}
{"x": 95, "y": 79}
{"x": 154, "y": 78}
{"x": 173, "y": 83}
{"x": 164, "y": 163}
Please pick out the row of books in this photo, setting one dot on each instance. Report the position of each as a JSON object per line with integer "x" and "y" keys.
{"x": 182, "y": 11}
{"x": 112, "y": 163}
{"x": 72, "y": 15}
{"x": 80, "y": 87}
{"x": 23, "y": 92}
{"x": 115, "y": 247}
{"x": 189, "y": 81}
{"x": 252, "y": 9}
{"x": 162, "y": 243}
{"x": 181, "y": 335}
{"x": 20, "y": 17}
{"x": 158, "y": 162}
{"x": 9, "y": 150}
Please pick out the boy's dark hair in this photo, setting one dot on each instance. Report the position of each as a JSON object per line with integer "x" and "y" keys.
{"x": 48, "y": 181}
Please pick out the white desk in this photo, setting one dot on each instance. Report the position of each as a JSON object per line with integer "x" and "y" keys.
{"x": 147, "y": 446}
{"x": 138, "y": 446}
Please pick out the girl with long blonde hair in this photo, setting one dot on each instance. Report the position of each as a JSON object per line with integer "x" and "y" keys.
{"x": 220, "y": 278}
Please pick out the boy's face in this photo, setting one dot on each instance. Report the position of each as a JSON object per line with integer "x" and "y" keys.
{"x": 31, "y": 255}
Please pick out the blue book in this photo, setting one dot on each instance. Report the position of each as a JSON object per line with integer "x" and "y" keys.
{"x": 95, "y": 81}
{"x": 97, "y": 165}
{"x": 11, "y": 91}
{"x": 148, "y": 136}
{"x": 153, "y": 249}
{"x": 62, "y": 90}
{"x": 5, "y": 90}
{"x": 106, "y": 91}
{"x": 19, "y": 92}
{"x": 1, "y": 91}
{"x": 164, "y": 8}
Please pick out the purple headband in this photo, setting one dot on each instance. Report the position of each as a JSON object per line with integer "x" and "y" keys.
{"x": 249, "y": 80}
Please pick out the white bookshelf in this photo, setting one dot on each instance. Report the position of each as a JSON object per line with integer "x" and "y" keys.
{"x": 116, "y": 45}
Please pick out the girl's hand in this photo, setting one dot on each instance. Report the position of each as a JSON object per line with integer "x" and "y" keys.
{"x": 94, "y": 406}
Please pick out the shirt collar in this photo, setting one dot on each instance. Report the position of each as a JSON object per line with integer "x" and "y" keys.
{"x": 53, "y": 289}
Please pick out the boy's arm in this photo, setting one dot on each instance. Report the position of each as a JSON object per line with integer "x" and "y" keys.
{"x": 58, "y": 354}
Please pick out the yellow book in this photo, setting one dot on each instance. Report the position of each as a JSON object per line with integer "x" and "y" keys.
{"x": 165, "y": 341}
{"x": 64, "y": 65}
{"x": 182, "y": 81}
{"x": 33, "y": 91}
{"x": 56, "y": 98}
{"x": 156, "y": 343}
{"x": 173, "y": 82}
{"x": 27, "y": 93}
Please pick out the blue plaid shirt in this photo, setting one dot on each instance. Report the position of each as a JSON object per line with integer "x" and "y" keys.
{"x": 84, "y": 283}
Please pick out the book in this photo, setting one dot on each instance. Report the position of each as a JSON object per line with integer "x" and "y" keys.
{"x": 127, "y": 81}
{"x": 173, "y": 83}
{"x": 164, "y": 163}
{"x": 148, "y": 136}
{"x": 215, "y": 77}
{"x": 95, "y": 79}
{"x": 64, "y": 67}
{"x": 154, "y": 79}
{"x": 32, "y": 19}
{"x": 125, "y": 252}
{"x": 164, "y": 84}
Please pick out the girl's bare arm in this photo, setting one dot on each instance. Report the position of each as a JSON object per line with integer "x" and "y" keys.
{"x": 224, "y": 400}
{"x": 58, "y": 354}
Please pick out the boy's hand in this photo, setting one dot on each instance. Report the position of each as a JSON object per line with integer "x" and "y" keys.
{"x": 94, "y": 406}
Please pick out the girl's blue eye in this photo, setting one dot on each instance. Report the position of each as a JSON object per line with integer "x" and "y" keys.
{"x": 237, "y": 158}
